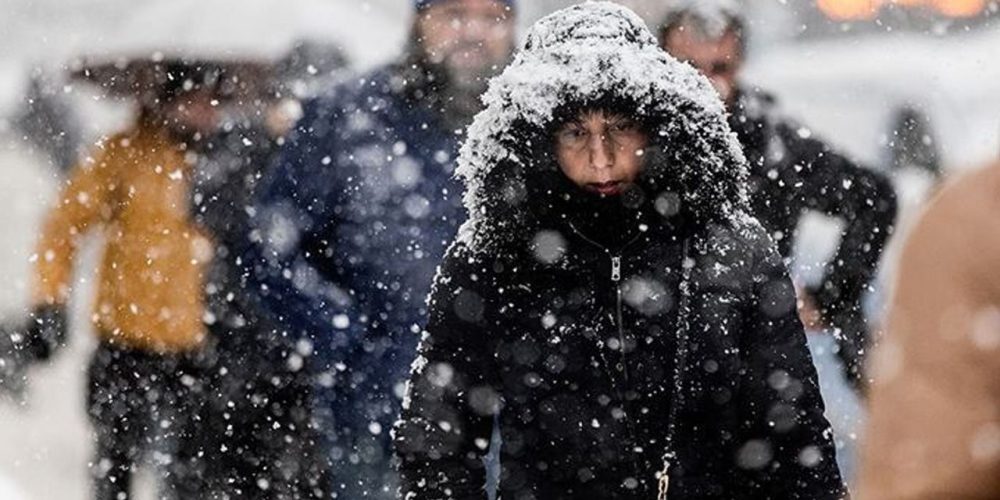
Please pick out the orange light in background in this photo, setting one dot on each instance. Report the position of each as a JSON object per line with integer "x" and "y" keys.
{"x": 852, "y": 10}
{"x": 845, "y": 10}
{"x": 960, "y": 8}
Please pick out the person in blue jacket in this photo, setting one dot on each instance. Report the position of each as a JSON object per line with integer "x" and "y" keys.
{"x": 351, "y": 223}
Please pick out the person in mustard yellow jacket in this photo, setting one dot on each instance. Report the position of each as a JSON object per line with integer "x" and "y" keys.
{"x": 145, "y": 379}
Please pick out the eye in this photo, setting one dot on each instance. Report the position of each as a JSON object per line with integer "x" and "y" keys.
{"x": 571, "y": 133}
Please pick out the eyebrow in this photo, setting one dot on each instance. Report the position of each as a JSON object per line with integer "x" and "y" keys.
{"x": 573, "y": 122}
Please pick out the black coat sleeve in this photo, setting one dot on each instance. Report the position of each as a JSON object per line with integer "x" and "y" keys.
{"x": 787, "y": 446}
{"x": 863, "y": 199}
{"x": 447, "y": 417}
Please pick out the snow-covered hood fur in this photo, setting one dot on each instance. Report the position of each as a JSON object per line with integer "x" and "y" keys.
{"x": 587, "y": 53}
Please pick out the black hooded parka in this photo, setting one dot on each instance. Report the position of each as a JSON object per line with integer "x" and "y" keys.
{"x": 616, "y": 338}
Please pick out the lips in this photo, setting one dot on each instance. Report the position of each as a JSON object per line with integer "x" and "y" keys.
{"x": 610, "y": 188}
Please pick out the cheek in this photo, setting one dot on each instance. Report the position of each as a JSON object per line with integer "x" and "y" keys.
{"x": 501, "y": 44}
{"x": 724, "y": 86}
{"x": 570, "y": 165}
{"x": 433, "y": 35}
{"x": 434, "y": 45}
{"x": 633, "y": 159}
{"x": 498, "y": 48}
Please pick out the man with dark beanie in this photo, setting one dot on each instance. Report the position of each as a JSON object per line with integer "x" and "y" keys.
{"x": 791, "y": 171}
{"x": 352, "y": 221}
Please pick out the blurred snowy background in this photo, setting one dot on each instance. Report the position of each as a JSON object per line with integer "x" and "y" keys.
{"x": 845, "y": 67}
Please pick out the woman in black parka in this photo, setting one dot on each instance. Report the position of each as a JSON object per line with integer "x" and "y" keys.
{"x": 609, "y": 298}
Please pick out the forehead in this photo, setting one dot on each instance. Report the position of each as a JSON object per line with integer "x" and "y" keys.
{"x": 595, "y": 116}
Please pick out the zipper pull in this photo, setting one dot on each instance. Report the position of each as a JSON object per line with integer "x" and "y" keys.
{"x": 663, "y": 478}
{"x": 616, "y": 268}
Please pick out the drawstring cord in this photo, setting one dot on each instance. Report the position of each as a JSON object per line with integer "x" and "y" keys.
{"x": 680, "y": 366}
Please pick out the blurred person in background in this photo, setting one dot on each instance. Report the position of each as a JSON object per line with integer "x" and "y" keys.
{"x": 355, "y": 217}
{"x": 791, "y": 171}
{"x": 48, "y": 123}
{"x": 259, "y": 416}
{"x": 934, "y": 424}
{"x": 145, "y": 377}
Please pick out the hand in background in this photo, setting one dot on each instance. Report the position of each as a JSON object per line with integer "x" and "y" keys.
{"x": 809, "y": 312}
{"x": 26, "y": 342}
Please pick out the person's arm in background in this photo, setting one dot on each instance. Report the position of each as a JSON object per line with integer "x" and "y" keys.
{"x": 288, "y": 259}
{"x": 787, "y": 439}
{"x": 87, "y": 198}
{"x": 447, "y": 417}
{"x": 866, "y": 202}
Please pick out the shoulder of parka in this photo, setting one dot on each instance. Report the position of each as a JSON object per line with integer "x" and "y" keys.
{"x": 463, "y": 270}
{"x": 739, "y": 259}
{"x": 741, "y": 241}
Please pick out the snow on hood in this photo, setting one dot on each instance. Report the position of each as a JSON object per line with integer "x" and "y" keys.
{"x": 586, "y": 53}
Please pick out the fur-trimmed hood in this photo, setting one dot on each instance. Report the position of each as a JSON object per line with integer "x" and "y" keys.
{"x": 587, "y": 53}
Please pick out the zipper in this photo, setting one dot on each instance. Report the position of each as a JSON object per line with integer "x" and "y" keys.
{"x": 680, "y": 365}
{"x": 616, "y": 257}
{"x": 616, "y": 276}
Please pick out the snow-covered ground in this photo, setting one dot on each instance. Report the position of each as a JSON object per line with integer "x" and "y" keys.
{"x": 44, "y": 448}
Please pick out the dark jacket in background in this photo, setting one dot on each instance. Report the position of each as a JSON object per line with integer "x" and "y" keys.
{"x": 611, "y": 335}
{"x": 48, "y": 124}
{"x": 792, "y": 172}
{"x": 258, "y": 425}
{"x": 351, "y": 225}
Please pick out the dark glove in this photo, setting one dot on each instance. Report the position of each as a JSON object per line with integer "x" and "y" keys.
{"x": 45, "y": 332}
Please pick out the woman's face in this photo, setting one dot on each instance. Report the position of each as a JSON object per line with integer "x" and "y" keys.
{"x": 601, "y": 152}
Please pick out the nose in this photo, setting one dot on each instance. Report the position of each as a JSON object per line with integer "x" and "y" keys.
{"x": 601, "y": 152}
